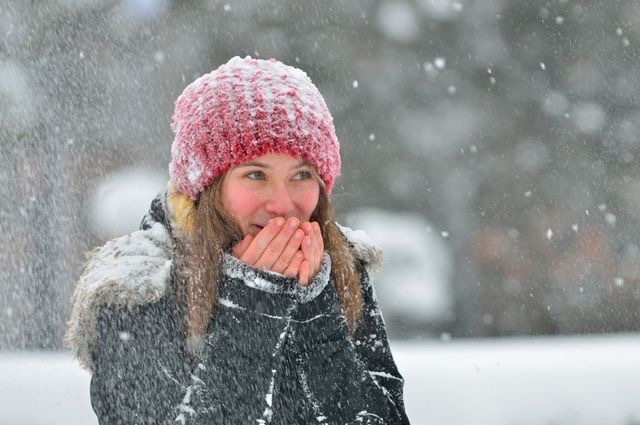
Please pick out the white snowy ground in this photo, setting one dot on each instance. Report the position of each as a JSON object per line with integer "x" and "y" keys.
{"x": 541, "y": 381}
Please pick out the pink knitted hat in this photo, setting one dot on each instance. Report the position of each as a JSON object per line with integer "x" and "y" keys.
{"x": 244, "y": 109}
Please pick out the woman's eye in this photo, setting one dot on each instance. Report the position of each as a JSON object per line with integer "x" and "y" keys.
{"x": 302, "y": 175}
{"x": 256, "y": 175}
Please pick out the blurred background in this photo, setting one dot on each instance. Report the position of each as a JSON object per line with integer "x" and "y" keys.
{"x": 490, "y": 147}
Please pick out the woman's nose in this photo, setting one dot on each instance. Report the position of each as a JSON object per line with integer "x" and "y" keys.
{"x": 280, "y": 201}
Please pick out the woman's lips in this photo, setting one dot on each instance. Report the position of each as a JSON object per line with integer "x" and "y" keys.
{"x": 254, "y": 229}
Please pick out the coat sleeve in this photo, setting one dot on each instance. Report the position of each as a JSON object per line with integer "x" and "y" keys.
{"x": 137, "y": 376}
{"x": 372, "y": 348}
{"x": 348, "y": 380}
{"x": 240, "y": 357}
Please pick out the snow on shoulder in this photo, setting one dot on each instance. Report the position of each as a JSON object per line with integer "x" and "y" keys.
{"x": 364, "y": 247}
{"x": 127, "y": 271}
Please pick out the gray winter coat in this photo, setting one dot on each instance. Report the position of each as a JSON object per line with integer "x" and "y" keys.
{"x": 274, "y": 352}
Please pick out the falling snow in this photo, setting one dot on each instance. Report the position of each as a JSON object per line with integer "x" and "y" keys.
{"x": 497, "y": 123}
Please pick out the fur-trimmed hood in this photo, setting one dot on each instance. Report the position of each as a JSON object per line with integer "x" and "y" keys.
{"x": 135, "y": 269}
{"x": 127, "y": 271}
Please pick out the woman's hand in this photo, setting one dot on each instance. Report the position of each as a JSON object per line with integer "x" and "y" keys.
{"x": 313, "y": 250}
{"x": 285, "y": 247}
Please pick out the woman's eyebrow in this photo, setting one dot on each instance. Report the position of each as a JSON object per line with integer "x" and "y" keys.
{"x": 253, "y": 164}
{"x": 300, "y": 164}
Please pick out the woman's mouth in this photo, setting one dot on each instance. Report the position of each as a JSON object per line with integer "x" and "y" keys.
{"x": 254, "y": 229}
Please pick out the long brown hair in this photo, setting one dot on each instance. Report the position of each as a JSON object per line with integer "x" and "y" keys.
{"x": 207, "y": 231}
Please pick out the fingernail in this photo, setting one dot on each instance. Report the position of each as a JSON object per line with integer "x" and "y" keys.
{"x": 279, "y": 221}
{"x": 293, "y": 222}
{"x": 298, "y": 234}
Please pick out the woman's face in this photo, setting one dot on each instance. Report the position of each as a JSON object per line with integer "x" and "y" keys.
{"x": 272, "y": 185}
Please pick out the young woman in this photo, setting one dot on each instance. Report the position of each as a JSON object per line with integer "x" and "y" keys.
{"x": 240, "y": 300}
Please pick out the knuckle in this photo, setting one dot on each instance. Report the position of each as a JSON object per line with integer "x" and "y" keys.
{"x": 282, "y": 263}
{"x": 262, "y": 243}
{"x": 273, "y": 250}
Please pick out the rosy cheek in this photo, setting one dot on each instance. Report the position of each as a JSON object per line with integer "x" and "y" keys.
{"x": 310, "y": 203}
{"x": 243, "y": 205}
{"x": 239, "y": 206}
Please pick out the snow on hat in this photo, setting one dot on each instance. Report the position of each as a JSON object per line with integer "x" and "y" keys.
{"x": 244, "y": 109}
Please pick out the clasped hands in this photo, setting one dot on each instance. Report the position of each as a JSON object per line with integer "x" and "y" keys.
{"x": 284, "y": 246}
